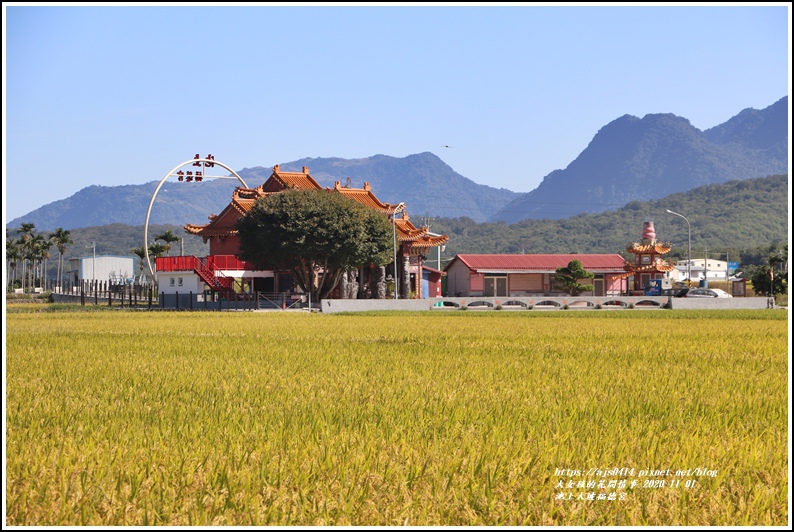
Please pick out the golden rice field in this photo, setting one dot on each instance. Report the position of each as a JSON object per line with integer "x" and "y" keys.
{"x": 504, "y": 418}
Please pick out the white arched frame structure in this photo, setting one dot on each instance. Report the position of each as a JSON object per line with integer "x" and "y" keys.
{"x": 163, "y": 180}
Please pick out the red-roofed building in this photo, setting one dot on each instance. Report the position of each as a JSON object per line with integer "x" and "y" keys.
{"x": 530, "y": 275}
{"x": 221, "y": 271}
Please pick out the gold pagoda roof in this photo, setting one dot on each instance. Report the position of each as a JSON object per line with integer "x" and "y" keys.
{"x": 655, "y": 247}
{"x": 659, "y": 266}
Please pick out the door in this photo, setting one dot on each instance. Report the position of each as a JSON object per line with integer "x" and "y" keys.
{"x": 598, "y": 287}
{"x": 495, "y": 287}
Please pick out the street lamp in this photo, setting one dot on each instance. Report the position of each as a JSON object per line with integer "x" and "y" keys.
{"x": 398, "y": 208}
{"x": 689, "y": 250}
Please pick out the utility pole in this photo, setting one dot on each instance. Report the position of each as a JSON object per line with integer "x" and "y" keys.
{"x": 93, "y": 264}
{"x": 706, "y": 267}
{"x": 727, "y": 268}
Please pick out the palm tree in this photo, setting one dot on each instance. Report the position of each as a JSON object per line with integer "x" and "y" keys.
{"x": 168, "y": 237}
{"x": 141, "y": 253}
{"x": 60, "y": 238}
{"x": 25, "y": 231}
{"x": 40, "y": 252}
{"x": 157, "y": 249}
{"x": 13, "y": 254}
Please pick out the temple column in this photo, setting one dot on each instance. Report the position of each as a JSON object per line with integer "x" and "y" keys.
{"x": 380, "y": 293}
{"x": 405, "y": 281}
{"x": 343, "y": 285}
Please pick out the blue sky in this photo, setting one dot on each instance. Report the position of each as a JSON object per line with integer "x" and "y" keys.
{"x": 120, "y": 94}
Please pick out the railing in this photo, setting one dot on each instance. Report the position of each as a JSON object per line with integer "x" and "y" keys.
{"x": 175, "y": 264}
{"x": 228, "y": 262}
{"x": 188, "y": 263}
{"x": 219, "y": 283}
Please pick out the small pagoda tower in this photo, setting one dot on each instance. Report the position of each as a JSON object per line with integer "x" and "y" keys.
{"x": 648, "y": 258}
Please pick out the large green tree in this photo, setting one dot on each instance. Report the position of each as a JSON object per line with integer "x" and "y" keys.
{"x": 568, "y": 278}
{"x": 316, "y": 235}
{"x": 771, "y": 278}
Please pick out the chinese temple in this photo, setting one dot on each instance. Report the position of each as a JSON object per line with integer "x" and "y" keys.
{"x": 412, "y": 279}
{"x": 648, "y": 259}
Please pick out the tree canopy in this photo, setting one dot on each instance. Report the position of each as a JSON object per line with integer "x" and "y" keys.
{"x": 768, "y": 279}
{"x": 568, "y": 278}
{"x": 315, "y": 234}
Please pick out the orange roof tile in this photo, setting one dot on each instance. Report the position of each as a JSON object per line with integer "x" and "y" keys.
{"x": 365, "y": 197}
{"x": 279, "y": 180}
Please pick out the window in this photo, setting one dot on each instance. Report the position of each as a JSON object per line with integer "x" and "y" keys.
{"x": 179, "y": 282}
{"x": 171, "y": 281}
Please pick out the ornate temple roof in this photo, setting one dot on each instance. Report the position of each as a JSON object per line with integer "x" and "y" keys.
{"x": 659, "y": 248}
{"x": 649, "y": 245}
{"x": 365, "y": 197}
{"x": 660, "y": 266}
{"x": 279, "y": 180}
{"x": 243, "y": 200}
{"x": 419, "y": 237}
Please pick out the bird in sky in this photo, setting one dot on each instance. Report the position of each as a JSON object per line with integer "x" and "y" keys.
{"x": 447, "y": 146}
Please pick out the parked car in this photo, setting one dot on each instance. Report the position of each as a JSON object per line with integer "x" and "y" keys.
{"x": 707, "y": 292}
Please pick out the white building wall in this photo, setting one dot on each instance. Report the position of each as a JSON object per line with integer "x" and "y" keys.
{"x": 181, "y": 282}
{"x": 717, "y": 270}
{"x": 108, "y": 267}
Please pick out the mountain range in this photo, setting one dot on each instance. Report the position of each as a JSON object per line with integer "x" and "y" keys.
{"x": 629, "y": 159}
{"x": 633, "y": 159}
{"x": 745, "y": 220}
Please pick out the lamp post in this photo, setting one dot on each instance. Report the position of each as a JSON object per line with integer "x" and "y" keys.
{"x": 394, "y": 243}
{"x": 689, "y": 249}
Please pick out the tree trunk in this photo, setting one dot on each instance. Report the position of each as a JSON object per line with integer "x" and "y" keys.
{"x": 361, "y": 283}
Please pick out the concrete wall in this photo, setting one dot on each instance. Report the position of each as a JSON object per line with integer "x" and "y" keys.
{"x": 720, "y": 303}
{"x": 363, "y": 305}
{"x": 539, "y": 304}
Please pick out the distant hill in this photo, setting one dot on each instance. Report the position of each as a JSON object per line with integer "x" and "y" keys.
{"x": 633, "y": 159}
{"x": 734, "y": 217}
{"x": 176, "y": 203}
{"x": 739, "y": 218}
{"x": 422, "y": 181}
